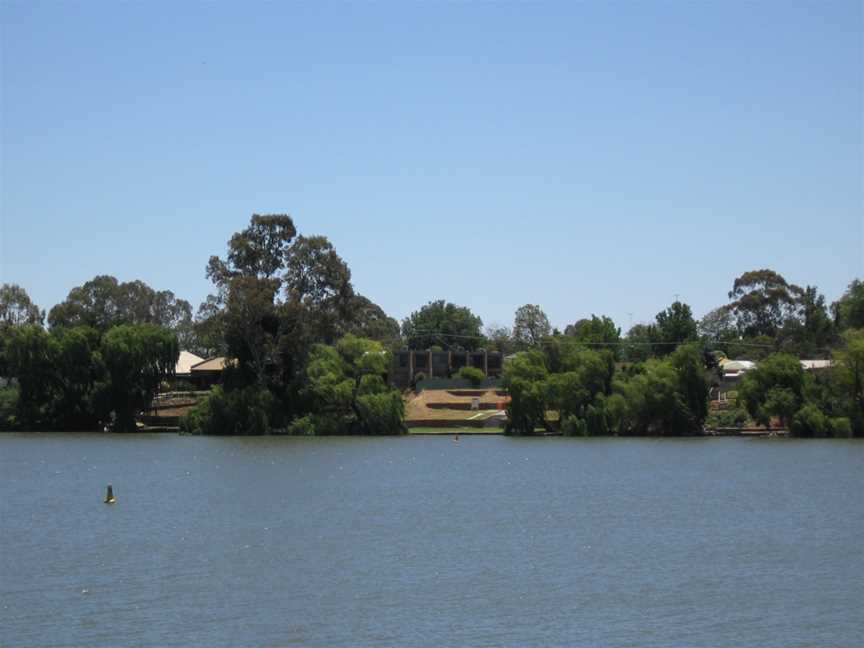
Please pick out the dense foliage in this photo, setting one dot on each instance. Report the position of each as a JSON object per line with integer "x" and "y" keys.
{"x": 16, "y": 307}
{"x": 104, "y": 302}
{"x": 472, "y": 374}
{"x": 530, "y": 326}
{"x": 76, "y": 379}
{"x": 307, "y": 354}
{"x": 442, "y": 324}
{"x": 575, "y": 389}
{"x": 284, "y": 305}
{"x": 348, "y": 390}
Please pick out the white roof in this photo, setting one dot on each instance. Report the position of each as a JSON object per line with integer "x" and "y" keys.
{"x": 185, "y": 362}
{"x": 733, "y": 366}
{"x": 816, "y": 364}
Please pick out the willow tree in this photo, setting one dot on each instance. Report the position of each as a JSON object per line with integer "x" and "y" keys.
{"x": 347, "y": 385}
{"x": 774, "y": 389}
{"x": 849, "y": 361}
{"x": 137, "y": 359}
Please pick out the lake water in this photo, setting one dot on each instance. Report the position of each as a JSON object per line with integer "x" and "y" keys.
{"x": 423, "y": 541}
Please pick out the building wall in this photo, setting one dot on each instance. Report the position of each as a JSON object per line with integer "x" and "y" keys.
{"x": 407, "y": 364}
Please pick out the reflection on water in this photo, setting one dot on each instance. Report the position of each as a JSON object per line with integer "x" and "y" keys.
{"x": 423, "y": 542}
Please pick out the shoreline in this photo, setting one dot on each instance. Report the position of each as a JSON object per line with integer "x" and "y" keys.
{"x": 447, "y": 431}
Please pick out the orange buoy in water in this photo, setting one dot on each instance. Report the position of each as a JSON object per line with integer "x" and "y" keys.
{"x": 109, "y": 495}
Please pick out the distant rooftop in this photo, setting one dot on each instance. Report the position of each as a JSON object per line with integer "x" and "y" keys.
{"x": 185, "y": 363}
{"x": 816, "y": 364}
{"x": 213, "y": 364}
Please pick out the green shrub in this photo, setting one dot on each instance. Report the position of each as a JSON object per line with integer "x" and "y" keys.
{"x": 840, "y": 427}
{"x": 809, "y": 421}
{"x": 574, "y": 426}
{"x": 302, "y": 426}
{"x": 333, "y": 424}
{"x": 727, "y": 418}
{"x": 616, "y": 413}
{"x": 473, "y": 375}
{"x": 8, "y": 408}
{"x": 248, "y": 411}
{"x": 178, "y": 385}
{"x": 382, "y": 413}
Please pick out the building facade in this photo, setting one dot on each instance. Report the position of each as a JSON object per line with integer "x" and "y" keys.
{"x": 409, "y": 363}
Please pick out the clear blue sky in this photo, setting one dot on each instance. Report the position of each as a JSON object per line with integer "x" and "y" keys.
{"x": 589, "y": 157}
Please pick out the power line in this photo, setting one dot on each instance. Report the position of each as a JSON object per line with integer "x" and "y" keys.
{"x": 431, "y": 333}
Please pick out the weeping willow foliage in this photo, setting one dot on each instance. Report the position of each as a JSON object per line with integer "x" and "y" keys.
{"x": 75, "y": 378}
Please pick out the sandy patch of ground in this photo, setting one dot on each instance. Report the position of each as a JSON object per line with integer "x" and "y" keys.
{"x": 417, "y": 409}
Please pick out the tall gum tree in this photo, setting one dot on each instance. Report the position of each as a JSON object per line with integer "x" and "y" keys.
{"x": 762, "y": 300}
{"x": 16, "y": 308}
{"x": 530, "y": 326}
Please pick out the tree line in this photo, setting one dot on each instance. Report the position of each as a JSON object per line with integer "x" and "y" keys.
{"x": 309, "y": 354}
{"x": 656, "y": 379}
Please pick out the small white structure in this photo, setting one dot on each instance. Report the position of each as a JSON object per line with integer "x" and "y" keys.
{"x": 736, "y": 368}
{"x": 815, "y": 365}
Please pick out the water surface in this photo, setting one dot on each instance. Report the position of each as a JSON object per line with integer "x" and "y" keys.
{"x": 423, "y": 541}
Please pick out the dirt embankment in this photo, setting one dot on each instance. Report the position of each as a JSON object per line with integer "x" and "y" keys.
{"x": 447, "y": 407}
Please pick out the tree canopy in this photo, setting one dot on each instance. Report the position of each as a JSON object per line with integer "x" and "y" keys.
{"x": 137, "y": 359}
{"x": 74, "y": 378}
{"x": 530, "y": 326}
{"x": 675, "y": 326}
{"x": 597, "y": 331}
{"x": 16, "y": 308}
{"x": 762, "y": 300}
{"x": 347, "y": 384}
{"x": 775, "y": 389}
{"x": 104, "y": 302}
{"x": 443, "y": 324}
{"x": 280, "y": 299}
{"x": 849, "y": 309}
{"x": 499, "y": 339}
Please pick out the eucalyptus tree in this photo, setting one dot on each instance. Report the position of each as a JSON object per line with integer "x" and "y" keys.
{"x": 762, "y": 301}
{"x": 249, "y": 281}
{"x": 16, "y": 307}
{"x": 277, "y": 295}
{"x": 530, "y": 326}
{"x": 811, "y": 333}
{"x": 849, "y": 309}
{"x": 368, "y": 320}
{"x": 104, "y": 302}
{"x": 499, "y": 338}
